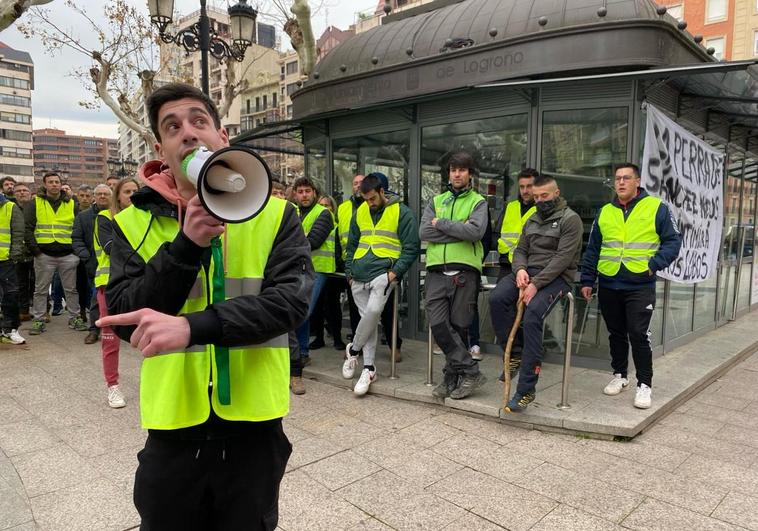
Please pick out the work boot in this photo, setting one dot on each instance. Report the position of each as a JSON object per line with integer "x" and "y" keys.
{"x": 519, "y": 402}
{"x": 38, "y": 326}
{"x": 297, "y": 386}
{"x": 91, "y": 338}
{"x": 514, "y": 365}
{"x": 25, "y": 316}
{"x": 468, "y": 385}
{"x": 78, "y": 324}
{"x": 448, "y": 385}
{"x": 46, "y": 318}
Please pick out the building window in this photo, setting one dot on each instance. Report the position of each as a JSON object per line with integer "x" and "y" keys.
{"x": 715, "y": 10}
{"x": 676, "y": 11}
{"x": 15, "y": 117}
{"x": 265, "y": 102}
{"x": 292, "y": 68}
{"x": 718, "y": 44}
{"x": 289, "y": 111}
{"x": 273, "y": 99}
{"x": 10, "y": 134}
{"x": 292, "y": 87}
{"x": 755, "y": 43}
{"x": 257, "y": 104}
{"x": 19, "y": 101}
{"x": 248, "y": 106}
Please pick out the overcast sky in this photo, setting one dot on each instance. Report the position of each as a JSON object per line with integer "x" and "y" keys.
{"x": 56, "y": 94}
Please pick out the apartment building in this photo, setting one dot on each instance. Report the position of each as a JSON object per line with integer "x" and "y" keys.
{"x": 331, "y": 37}
{"x": 16, "y": 85}
{"x": 745, "y": 29}
{"x": 713, "y": 19}
{"x": 77, "y": 159}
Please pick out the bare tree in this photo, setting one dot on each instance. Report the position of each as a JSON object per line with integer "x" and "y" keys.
{"x": 11, "y": 10}
{"x": 297, "y": 25}
{"x": 122, "y": 52}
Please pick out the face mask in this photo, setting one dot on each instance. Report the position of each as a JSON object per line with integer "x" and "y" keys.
{"x": 545, "y": 207}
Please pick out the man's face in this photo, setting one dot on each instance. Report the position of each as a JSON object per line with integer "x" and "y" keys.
{"x": 85, "y": 198}
{"x": 277, "y": 192}
{"x": 305, "y": 196}
{"x": 53, "y": 185}
{"x": 8, "y": 187}
{"x": 547, "y": 192}
{"x": 626, "y": 184}
{"x": 375, "y": 200}
{"x": 459, "y": 177}
{"x": 102, "y": 197}
{"x": 112, "y": 182}
{"x": 185, "y": 125}
{"x": 525, "y": 187}
{"x": 22, "y": 193}
{"x": 357, "y": 180}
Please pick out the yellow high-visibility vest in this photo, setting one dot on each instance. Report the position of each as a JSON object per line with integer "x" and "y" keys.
{"x": 250, "y": 383}
{"x": 54, "y": 226}
{"x": 103, "y": 259}
{"x": 632, "y": 242}
{"x": 381, "y": 238}
{"x": 513, "y": 224}
{"x": 323, "y": 257}
{"x": 448, "y": 206}
{"x": 6, "y": 211}
{"x": 344, "y": 217}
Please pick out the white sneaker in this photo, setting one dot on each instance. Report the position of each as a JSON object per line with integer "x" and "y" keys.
{"x": 644, "y": 397}
{"x": 115, "y": 397}
{"x": 15, "y": 338}
{"x": 616, "y": 385}
{"x": 348, "y": 367}
{"x": 476, "y": 353}
{"x": 436, "y": 349}
{"x": 367, "y": 377}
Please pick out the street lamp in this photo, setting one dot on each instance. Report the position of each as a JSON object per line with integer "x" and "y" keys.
{"x": 122, "y": 167}
{"x": 200, "y": 36}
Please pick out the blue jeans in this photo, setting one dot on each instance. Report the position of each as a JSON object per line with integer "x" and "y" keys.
{"x": 304, "y": 330}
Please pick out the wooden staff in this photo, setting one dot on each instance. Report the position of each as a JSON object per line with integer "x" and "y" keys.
{"x": 508, "y": 347}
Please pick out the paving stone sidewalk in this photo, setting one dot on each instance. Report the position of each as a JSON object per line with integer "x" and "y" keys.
{"x": 67, "y": 461}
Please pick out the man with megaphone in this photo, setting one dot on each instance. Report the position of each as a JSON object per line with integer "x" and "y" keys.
{"x": 209, "y": 305}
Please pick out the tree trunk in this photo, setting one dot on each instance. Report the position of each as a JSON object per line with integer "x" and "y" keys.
{"x": 306, "y": 43}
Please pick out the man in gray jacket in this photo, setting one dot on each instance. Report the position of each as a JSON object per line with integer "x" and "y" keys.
{"x": 544, "y": 266}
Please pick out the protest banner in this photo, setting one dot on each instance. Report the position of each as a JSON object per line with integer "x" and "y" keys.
{"x": 687, "y": 173}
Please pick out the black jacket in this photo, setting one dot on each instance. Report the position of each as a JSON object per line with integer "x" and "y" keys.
{"x": 30, "y": 219}
{"x": 164, "y": 283}
{"x": 321, "y": 228}
{"x": 82, "y": 238}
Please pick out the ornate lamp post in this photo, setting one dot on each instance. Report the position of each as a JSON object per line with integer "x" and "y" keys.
{"x": 200, "y": 36}
{"x": 122, "y": 168}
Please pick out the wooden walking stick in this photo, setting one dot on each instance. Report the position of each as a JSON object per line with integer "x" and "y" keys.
{"x": 508, "y": 347}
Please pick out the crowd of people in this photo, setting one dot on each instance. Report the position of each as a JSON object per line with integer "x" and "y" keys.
{"x": 365, "y": 246}
{"x": 52, "y": 259}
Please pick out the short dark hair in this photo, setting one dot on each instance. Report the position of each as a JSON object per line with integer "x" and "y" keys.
{"x": 371, "y": 183}
{"x": 113, "y": 177}
{"x": 528, "y": 173}
{"x": 84, "y": 188}
{"x": 462, "y": 159}
{"x": 635, "y": 168}
{"x": 51, "y": 174}
{"x": 543, "y": 180}
{"x": 303, "y": 181}
{"x": 8, "y": 178}
{"x": 276, "y": 185}
{"x": 177, "y": 91}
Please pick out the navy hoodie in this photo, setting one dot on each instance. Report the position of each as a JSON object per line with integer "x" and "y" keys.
{"x": 671, "y": 242}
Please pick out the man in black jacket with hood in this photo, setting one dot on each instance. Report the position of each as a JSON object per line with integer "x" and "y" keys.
{"x": 214, "y": 384}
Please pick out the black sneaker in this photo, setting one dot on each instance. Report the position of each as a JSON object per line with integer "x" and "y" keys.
{"x": 515, "y": 365}
{"x": 316, "y": 344}
{"x": 468, "y": 385}
{"x": 448, "y": 385}
{"x": 519, "y": 402}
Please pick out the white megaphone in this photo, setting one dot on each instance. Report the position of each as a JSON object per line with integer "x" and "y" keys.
{"x": 233, "y": 183}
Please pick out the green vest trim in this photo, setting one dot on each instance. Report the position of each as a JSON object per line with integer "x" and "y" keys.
{"x": 6, "y": 211}
{"x": 447, "y": 206}
{"x": 381, "y": 238}
{"x": 323, "y": 257}
{"x": 103, "y": 259}
{"x": 54, "y": 226}
{"x": 513, "y": 225}
{"x": 632, "y": 242}
{"x": 250, "y": 382}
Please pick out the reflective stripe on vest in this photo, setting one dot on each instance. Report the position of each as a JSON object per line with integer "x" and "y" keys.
{"x": 381, "y": 238}
{"x": 513, "y": 224}
{"x": 6, "y": 211}
{"x": 323, "y": 257}
{"x": 344, "y": 217}
{"x": 174, "y": 386}
{"x": 103, "y": 259}
{"x": 632, "y": 242}
{"x": 447, "y": 206}
{"x": 54, "y": 226}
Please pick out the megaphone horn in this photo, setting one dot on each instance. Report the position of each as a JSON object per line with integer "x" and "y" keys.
{"x": 233, "y": 183}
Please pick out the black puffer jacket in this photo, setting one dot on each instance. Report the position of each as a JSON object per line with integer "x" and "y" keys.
{"x": 165, "y": 281}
